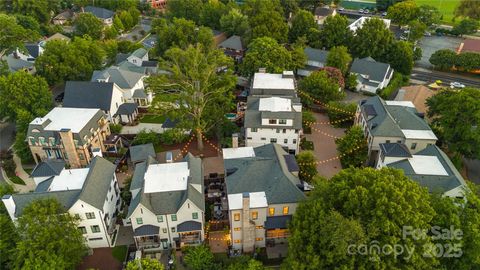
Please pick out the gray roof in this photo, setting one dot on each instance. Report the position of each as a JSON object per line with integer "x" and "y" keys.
{"x": 98, "y": 182}
{"x": 163, "y": 203}
{"x": 125, "y": 65}
{"x": 139, "y": 93}
{"x": 120, "y": 57}
{"x": 99, "y": 12}
{"x": 48, "y": 168}
{"x": 150, "y": 63}
{"x": 234, "y": 42}
{"x": 253, "y": 117}
{"x": 95, "y": 95}
{"x": 124, "y": 78}
{"x": 189, "y": 226}
{"x": 66, "y": 199}
{"x": 15, "y": 64}
{"x": 33, "y": 49}
{"x": 291, "y": 163}
{"x": 394, "y": 150}
{"x": 267, "y": 172}
{"x": 324, "y": 11}
{"x": 139, "y": 173}
{"x": 316, "y": 55}
{"x": 141, "y": 152}
{"x": 140, "y": 52}
{"x": 367, "y": 66}
{"x": 278, "y": 222}
{"x": 127, "y": 108}
{"x": 146, "y": 230}
{"x": 44, "y": 185}
{"x": 434, "y": 183}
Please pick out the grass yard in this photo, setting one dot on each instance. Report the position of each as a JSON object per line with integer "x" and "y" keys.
{"x": 119, "y": 253}
{"x": 17, "y": 180}
{"x": 153, "y": 119}
{"x": 446, "y": 7}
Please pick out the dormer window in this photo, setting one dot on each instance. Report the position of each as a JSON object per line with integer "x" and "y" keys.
{"x": 272, "y": 121}
{"x": 51, "y": 141}
{"x": 282, "y": 121}
{"x": 32, "y": 140}
{"x": 91, "y": 130}
{"x": 42, "y": 140}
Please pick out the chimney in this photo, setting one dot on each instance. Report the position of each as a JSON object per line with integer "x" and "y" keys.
{"x": 287, "y": 74}
{"x": 235, "y": 140}
{"x": 248, "y": 230}
{"x": 9, "y": 205}
{"x": 69, "y": 147}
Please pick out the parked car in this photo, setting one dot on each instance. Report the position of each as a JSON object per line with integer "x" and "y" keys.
{"x": 360, "y": 10}
{"x": 59, "y": 97}
{"x": 384, "y": 14}
{"x": 427, "y": 34}
{"x": 341, "y": 9}
{"x": 366, "y": 11}
{"x": 457, "y": 85}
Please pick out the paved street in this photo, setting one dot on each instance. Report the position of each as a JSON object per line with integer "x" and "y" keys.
{"x": 430, "y": 76}
{"x": 431, "y": 44}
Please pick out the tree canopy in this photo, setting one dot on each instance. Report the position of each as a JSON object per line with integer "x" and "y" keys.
{"x": 234, "y": 23}
{"x": 373, "y": 39}
{"x": 87, "y": 24}
{"x": 335, "y": 32}
{"x": 443, "y": 59}
{"x": 194, "y": 92}
{"x": 468, "y": 8}
{"x": 400, "y": 57}
{"x": 308, "y": 168}
{"x": 302, "y": 23}
{"x": 353, "y": 148}
{"x": 339, "y": 57}
{"x": 403, "y": 12}
{"x": 466, "y": 26}
{"x": 12, "y": 34}
{"x": 456, "y": 116}
{"x": 199, "y": 258}
{"x": 429, "y": 15}
{"x": 319, "y": 85}
{"x": 266, "y": 19}
{"x": 145, "y": 263}
{"x": 187, "y": 9}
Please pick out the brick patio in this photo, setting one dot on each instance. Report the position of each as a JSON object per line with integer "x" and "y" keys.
{"x": 101, "y": 259}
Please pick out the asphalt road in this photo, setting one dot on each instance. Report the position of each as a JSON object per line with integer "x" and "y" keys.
{"x": 429, "y": 76}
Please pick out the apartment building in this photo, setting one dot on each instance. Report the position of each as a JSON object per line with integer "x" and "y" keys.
{"x": 273, "y": 120}
{"x": 92, "y": 194}
{"x": 263, "y": 192}
{"x": 69, "y": 134}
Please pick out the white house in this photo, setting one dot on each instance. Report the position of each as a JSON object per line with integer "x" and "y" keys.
{"x": 91, "y": 193}
{"x": 168, "y": 205}
{"x": 31, "y": 52}
{"x": 273, "y": 120}
{"x": 359, "y": 23}
{"x": 271, "y": 84}
{"x": 263, "y": 192}
{"x": 316, "y": 59}
{"x": 392, "y": 122}
{"x": 321, "y": 13}
{"x": 371, "y": 75}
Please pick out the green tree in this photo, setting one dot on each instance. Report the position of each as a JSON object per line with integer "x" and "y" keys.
{"x": 234, "y": 23}
{"x": 146, "y": 137}
{"x": 351, "y": 82}
{"x": 111, "y": 32}
{"x": 400, "y": 57}
{"x": 353, "y": 148}
{"x": 145, "y": 263}
{"x": 212, "y": 11}
{"x": 417, "y": 30}
{"x": 335, "y": 32}
{"x": 403, "y": 12}
{"x": 199, "y": 258}
{"x": 246, "y": 264}
{"x": 466, "y": 26}
{"x": 88, "y": 24}
{"x": 39, "y": 9}
{"x": 187, "y": 9}
{"x": 290, "y": 7}
{"x": 117, "y": 23}
{"x": 383, "y": 5}
{"x": 456, "y": 114}
{"x": 468, "y": 8}
{"x": 468, "y": 61}
{"x": 7, "y": 231}
{"x": 360, "y": 207}
{"x": 126, "y": 19}
{"x": 266, "y": 53}
{"x": 302, "y": 22}
{"x": 373, "y": 39}
{"x": 429, "y": 15}
{"x": 443, "y": 59}
{"x": 205, "y": 94}
{"x": 48, "y": 238}
{"x": 339, "y": 57}
{"x": 308, "y": 168}
{"x": 266, "y": 19}
{"x": 28, "y": 22}
{"x": 12, "y": 34}
{"x": 341, "y": 114}
{"x": 320, "y": 86}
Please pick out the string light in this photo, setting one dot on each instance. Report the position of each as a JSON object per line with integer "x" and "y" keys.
{"x": 324, "y": 104}
{"x": 185, "y": 148}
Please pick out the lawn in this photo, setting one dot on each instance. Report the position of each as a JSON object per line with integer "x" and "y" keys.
{"x": 153, "y": 119}
{"x": 119, "y": 253}
{"x": 17, "y": 180}
{"x": 446, "y": 7}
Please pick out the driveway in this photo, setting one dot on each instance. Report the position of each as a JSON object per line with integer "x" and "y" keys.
{"x": 323, "y": 137}
{"x": 145, "y": 25}
{"x": 431, "y": 44}
{"x": 124, "y": 236}
{"x": 7, "y": 135}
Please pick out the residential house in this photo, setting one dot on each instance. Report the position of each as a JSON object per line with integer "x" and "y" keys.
{"x": 270, "y": 84}
{"x": 168, "y": 205}
{"x": 58, "y": 36}
{"x": 321, "y": 13}
{"x": 218, "y": 37}
{"x": 429, "y": 167}
{"x": 392, "y": 122}
{"x": 316, "y": 59}
{"x": 417, "y": 94}
{"x": 63, "y": 17}
{"x": 273, "y": 120}
{"x": 140, "y": 153}
{"x": 137, "y": 61}
{"x": 15, "y": 64}
{"x": 106, "y": 96}
{"x": 105, "y": 15}
{"x": 371, "y": 75}
{"x": 69, "y": 134}
{"x": 233, "y": 47}
{"x": 359, "y": 24}
{"x": 91, "y": 193}
{"x": 156, "y": 4}
{"x": 469, "y": 45}
{"x": 31, "y": 52}
{"x": 263, "y": 193}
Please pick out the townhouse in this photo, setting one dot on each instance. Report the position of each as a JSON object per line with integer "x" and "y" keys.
{"x": 263, "y": 192}
{"x": 92, "y": 194}
{"x": 71, "y": 134}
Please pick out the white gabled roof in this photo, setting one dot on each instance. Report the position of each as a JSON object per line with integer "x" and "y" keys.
{"x": 419, "y": 134}
{"x": 275, "y": 104}
{"x": 272, "y": 81}
{"x": 257, "y": 200}
{"x": 427, "y": 165}
{"x": 239, "y": 152}
{"x": 400, "y": 103}
{"x": 69, "y": 179}
{"x": 166, "y": 177}
{"x": 66, "y": 118}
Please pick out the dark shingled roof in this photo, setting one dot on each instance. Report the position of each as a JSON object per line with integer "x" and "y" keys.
{"x": 33, "y": 49}
{"x": 267, "y": 172}
{"x": 316, "y": 55}
{"x": 234, "y": 42}
{"x": 146, "y": 230}
{"x": 253, "y": 116}
{"x": 48, "y": 168}
{"x": 291, "y": 163}
{"x": 44, "y": 185}
{"x": 98, "y": 182}
{"x": 169, "y": 123}
{"x": 95, "y": 95}
{"x": 367, "y": 66}
{"x": 395, "y": 150}
{"x": 99, "y": 12}
{"x": 277, "y": 222}
{"x": 189, "y": 226}
{"x": 323, "y": 11}
{"x": 66, "y": 199}
{"x": 149, "y": 63}
{"x": 125, "y": 79}
{"x": 141, "y": 152}
{"x": 127, "y": 108}
{"x": 120, "y": 57}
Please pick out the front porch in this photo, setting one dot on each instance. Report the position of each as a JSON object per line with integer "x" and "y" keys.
{"x": 189, "y": 234}
{"x": 147, "y": 237}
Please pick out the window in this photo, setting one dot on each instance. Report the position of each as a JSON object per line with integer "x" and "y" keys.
{"x": 249, "y": 138}
{"x": 296, "y": 131}
{"x": 42, "y": 140}
{"x": 294, "y": 141}
{"x": 238, "y": 241}
{"x": 273, "y": 140}
{"x": 278, "y": 130}
{"x": 159, "y": 219}
{"x": 284, "y": 130}
{"x": 388, "y": 141}
{"x": 236, "y": 217}
{"x": 174, "y": 217}
{"x": 237, "y": 229}
{"x": 263, "y": 139}
{"x": 260, "y": 227}
{"x": 51, "y": 140}
{"x": 285, "y": 140}
{"x": 32, "y": 140}
{"x": 90, "y": 215}
{"x": 282, "y": 121}
{"x": 83, "y": 230}
{"x": 164, "y": 230}
{"x": 139, "y": 220}
{"x": 272, "y": 121}
{"x": 95, "y": 228}
{"x": 173, "y": 229}
{"x": 254, "y": 215}
{"x": 77, "y": 216}
{"x": 95, "y": 239}
{"x": 254, "y": 129}
{"x": 271, "y": 211}
{"x": 259, "y": 239}
{"x": 195, "y": 215}
{"x": 399, "y": 141}
{"x": 414, "y": 145}
{"x": 285, "y": 210}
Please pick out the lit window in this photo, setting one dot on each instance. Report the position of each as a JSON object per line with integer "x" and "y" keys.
{"x": 236, "y": 217}
{"x": 238, "y": 241}
{"x": 195, "y": 215}
{"x": 95, "y": 228}
{"x": 159, "y": 218}
{"x": 271, "y": 211}
{"x": 254, "y": 215}
{"x": 282, "y": 121}
{"x": 90, "y": 215}
{"x": 260, "y": 227}
{"x": 285, "y": 210}
{"x": 237, "y": 229}
{"x": 139, "y": 220}
{"x": 174, "y": 217}
{"x": 259, "y": 239}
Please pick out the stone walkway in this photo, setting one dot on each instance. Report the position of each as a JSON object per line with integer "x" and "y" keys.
{"x": 20, "y": 172}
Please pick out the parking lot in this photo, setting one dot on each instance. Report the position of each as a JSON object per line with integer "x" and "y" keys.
{"x": 431, "y": 44}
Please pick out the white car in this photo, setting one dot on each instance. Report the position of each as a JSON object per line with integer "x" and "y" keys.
{"x": 456, "y": 85}
{"x": 384, "y": 14}
{"x": 360, "y": 10}
{"x": 341, "y": 9}
{"x": 366, "y": 11}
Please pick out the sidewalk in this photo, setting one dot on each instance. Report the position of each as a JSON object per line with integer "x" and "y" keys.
{"x": 20, "y": 172}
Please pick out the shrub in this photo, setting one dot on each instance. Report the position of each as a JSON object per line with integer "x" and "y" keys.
{"x": 173, "y": 136}
{"x": 115, "y": 128}
{"x": 341, "y": 114}
{"x": 306, "y": 163}
{"x": 353, "y": 148}
{"x": 306, "y": 145}
{"x": 307, "y": 119}
{"x": 351, "y": 82}
{"x": 144, "y": 137}
{"x": 397, "y": 81}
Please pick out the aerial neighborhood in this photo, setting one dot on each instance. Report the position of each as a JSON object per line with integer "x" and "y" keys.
{"x": 255, "y": 134}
